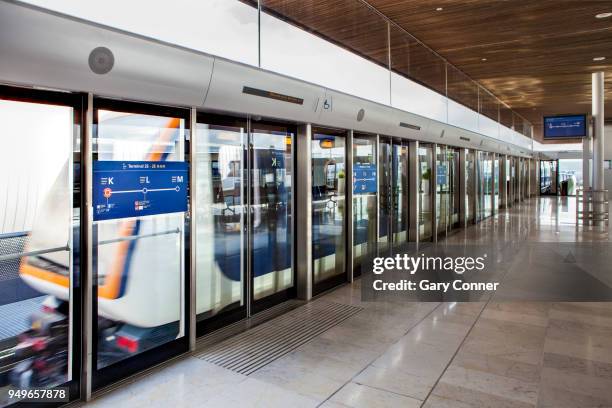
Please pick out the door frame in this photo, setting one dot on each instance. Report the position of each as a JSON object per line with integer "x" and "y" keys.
{"x": 78, "y": 103}
{"x": 127, "y": 367}
{"x": 250, "y": 305}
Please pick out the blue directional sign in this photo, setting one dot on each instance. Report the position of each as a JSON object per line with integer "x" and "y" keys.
{"x": 565, "y": 126}
{"x": 364, "y": 178}
{"x": 123, "y": 189}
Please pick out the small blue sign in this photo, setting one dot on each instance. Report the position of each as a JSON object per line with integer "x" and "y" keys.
{"x": 364, "y": 178}
{"x": 442, "y": 174}
{"x": 565, "y": 126}
{"x": 123, "y": 189}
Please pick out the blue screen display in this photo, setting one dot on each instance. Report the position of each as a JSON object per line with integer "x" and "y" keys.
{"x": 124, "y": 189}
{"x": 564, "y": 126}
{"x": 364, "y": 178}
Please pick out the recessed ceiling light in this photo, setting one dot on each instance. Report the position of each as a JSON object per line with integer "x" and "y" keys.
{"x": 483, "y": 59}
{"x": 440, "y": 9}
{"x": 603, "y": 15}
{"x": 599, "y": 58}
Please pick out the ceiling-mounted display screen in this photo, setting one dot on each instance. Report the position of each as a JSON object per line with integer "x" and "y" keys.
{"x": 565, "y": 126}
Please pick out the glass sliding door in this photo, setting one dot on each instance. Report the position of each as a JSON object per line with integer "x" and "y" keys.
{"x": 399, "y": 161}
{"x": 496, "y": 181}
{"x": 385, "y": 195}
{"x": 442, "y": 190}
{"x": 364, "y": 199}
{"x": 425, "y": 186}
{"x": 221, "y": 207}
{"x": 470, "y": 185}
{"x": 140, "y": 185}
{"x": 454, "y": 182}
{"x": 508, "y": 181}
{"x": 487, "y": 175}
{"x": 39, "y": 241}
{"x": 328, "y": 208}
{"x": 271, "y": 213}
{"x": 548, "y": 177}
{"x": 244, "y": 221}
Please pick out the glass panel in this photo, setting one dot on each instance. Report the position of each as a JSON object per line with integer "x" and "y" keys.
{"x": 138, "y": 261}
{"x": 570, "y": 175}
{"x": 271, "y": 210}
{"x": 364, "y": 199}
{"x": 487, "y": 173}
{"x": 425, "y": 192}
{"x": 328, "y": 205}
{"x": 36, "y": 214}
{"x": 384, "y": 196}
{"x": 220, "y": 224}
{"x": 470, "y": 183}
{"x": 461, "y": 88}
{"x": 496, "y": 176}
{"x": 297, "y": 34}
{"x": 455, "y": 198}
{"x": 400, "y": 193}
{"x": 413, "y": 60}
{"x": 442, "y": 189}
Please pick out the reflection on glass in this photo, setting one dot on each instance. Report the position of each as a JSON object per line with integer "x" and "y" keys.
{"x": 400, "y": 193}
{"x": 36, "y": 214}
{"x": 548, "y": 177}
{"x": 138, "y": 261}
{"x": 364, "y": 199}
{"x": 220, "y": 218}
{"x": 328, "y": 205}
{"x": 487, "y": 174}
{"x": 425, "y": 192}
{"x": 442, "y": 188}
{"x": 385, "y": 205}
{"x": 570, "y": 175}
{"x": 453, "y": 158}
{"x": 496, "y": 181}
{"x": 271, "y": 236}
{"x": 470, "y": 183}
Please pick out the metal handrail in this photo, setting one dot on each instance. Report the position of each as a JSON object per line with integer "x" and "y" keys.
{"x": 18, "y": 255}
{"x": 135, "y": 237}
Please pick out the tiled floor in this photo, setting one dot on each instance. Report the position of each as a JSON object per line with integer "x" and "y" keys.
{"x": 480, "y": 354}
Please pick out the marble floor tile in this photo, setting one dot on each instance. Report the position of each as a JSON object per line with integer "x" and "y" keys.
{"x": 485, "y": 382}
{"x": 257, "y": 394}
{"x": 393, "y": 380}
{"x": 361, "y": 396}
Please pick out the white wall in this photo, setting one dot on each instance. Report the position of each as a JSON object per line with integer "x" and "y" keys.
{"x": 229, "y": 28}
{"x": 226, "y": 28}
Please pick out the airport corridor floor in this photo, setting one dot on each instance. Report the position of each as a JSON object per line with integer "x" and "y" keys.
{"x": 460, "y": 355}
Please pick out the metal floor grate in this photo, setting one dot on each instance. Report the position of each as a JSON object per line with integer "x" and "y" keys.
{"x": 258, "y": 347}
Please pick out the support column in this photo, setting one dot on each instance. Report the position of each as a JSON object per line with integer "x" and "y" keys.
{"x": 413, "y": 190}
{"x": 349, "y": 205}
{"x": 598, "y": 143}
{"x": 193, "y": 197}
{"x": 303, "y": 203}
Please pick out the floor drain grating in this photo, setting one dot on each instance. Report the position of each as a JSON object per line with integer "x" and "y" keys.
{"x": 258, "y": 347}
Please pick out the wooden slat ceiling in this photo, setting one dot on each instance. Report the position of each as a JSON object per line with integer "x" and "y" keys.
{"x": 539, "y": 53}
